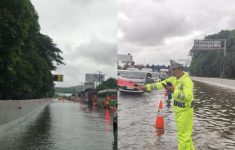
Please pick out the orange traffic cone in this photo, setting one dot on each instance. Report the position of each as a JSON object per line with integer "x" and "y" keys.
{"x": 159, "y": 119}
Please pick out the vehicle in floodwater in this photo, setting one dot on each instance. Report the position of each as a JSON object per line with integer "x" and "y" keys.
{"x": 128, "y": 81}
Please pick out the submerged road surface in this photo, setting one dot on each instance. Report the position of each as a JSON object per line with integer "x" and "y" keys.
{"x": 214, "y": 120}
{"x": 63, "y": 126}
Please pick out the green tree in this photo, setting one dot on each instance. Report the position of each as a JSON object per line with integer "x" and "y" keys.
{"x": 25, "y": 65}
{"x": 212, "y": 64}
{"x": 110, "y": 83}
{"x": 48, "y": 50}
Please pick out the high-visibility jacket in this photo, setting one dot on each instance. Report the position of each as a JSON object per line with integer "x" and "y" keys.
{"x": 183, "y": 93}
{"x": 182, "y": 106}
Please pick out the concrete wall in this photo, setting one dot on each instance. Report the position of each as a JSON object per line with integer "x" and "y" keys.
{"x": 227, "y": 83}
{"x": 16, "y": 112}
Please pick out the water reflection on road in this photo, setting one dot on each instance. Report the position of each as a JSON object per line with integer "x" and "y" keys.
{"x": 214, "y": 126}
{"x": 63, "y": 126}
{"x": 214, "y": 120}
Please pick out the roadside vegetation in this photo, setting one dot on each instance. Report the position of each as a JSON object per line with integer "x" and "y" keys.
{"x": 215, "y": 64}
{"x": 27, "y": 56}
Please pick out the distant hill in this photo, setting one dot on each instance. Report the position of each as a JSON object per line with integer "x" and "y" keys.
{"x": 73, "y": 89}
{"x": 64, "y": 89}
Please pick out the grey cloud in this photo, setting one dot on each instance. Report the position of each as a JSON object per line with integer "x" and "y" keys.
{"x": 90, "y": 57}
{"x": 72, "y": 21}
{"x": 98, "y": 51}
{"x": 151, "y": 24}
{"x": 71, "y": 24}
{"x": 89, "y": 1}
{"x": 153, "y": 30}
{"x": 81, "y": 1}
{"x": 158, "y": 30}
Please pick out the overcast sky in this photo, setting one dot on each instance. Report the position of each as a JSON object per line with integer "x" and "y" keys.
{"x": 86, "y": 32}
{"x": 155, "y": 31}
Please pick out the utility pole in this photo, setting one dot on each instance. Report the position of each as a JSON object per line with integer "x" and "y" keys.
{"x": 99, "y": 76}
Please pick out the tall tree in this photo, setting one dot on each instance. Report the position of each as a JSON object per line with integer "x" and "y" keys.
{"x": 110, "y": 83}
{"x": 48, "y": 50}
{"x": 25, "y": 66}
{"x": 213, "y": 64}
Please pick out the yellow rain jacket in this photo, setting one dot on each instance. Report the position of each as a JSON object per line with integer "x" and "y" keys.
{"x": 182, "y": 106}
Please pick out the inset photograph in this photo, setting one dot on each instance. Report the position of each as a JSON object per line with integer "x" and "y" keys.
{"x": 58, "y": 63}
{"x": 176, "y": 75}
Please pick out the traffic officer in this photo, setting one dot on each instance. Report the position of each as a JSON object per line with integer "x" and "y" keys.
{"x": 182, "y": 94}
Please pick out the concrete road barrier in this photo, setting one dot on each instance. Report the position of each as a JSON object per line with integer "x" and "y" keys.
{"x": 16, "y": 112}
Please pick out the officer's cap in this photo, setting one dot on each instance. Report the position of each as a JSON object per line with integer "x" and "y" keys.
{"x": 175, "y": 64}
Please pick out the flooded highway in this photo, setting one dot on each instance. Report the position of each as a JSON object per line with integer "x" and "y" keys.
{"x": 214, "y": 120}
{"x": 63, "y": 126}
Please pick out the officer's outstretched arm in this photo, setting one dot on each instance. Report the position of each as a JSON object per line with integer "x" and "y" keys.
{"x": 157, "y": 85}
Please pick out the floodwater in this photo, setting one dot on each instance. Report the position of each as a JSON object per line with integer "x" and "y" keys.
{"x": 64, "y": 126}
{"x": 214, "y": 120}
